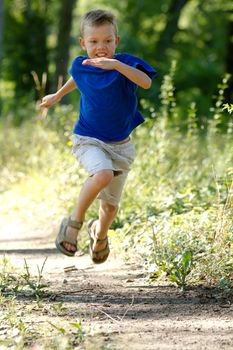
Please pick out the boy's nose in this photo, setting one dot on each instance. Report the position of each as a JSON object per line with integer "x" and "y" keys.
{"x": 100, "y": 45}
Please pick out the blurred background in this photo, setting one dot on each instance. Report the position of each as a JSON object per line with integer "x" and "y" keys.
{"x": 39, "y": 39}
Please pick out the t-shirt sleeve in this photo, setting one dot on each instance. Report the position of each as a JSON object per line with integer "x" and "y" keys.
{"x": 138, "y": 63}
{"x": 76, "y": 67}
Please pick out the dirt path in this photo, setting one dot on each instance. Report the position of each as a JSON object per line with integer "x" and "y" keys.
{"x": 115, "y": 302}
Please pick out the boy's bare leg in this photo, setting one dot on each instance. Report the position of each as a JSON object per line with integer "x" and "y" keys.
{"x": 88, "y": 193}
{"x": 107, "y": 213}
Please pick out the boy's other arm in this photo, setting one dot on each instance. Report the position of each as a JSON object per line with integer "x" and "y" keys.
{"x": 135, "y": 75}
{"x": 52, "y": 99}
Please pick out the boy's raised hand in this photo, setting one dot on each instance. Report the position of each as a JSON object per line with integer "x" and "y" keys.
{"x": 49, "y": 100}
{"x": 101, "y": 62}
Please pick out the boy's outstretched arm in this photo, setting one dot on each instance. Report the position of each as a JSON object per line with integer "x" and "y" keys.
{"x": 52, "y": 99}
{"x": 135, "y": 75}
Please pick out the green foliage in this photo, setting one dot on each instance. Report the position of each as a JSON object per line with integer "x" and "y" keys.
{"x": 36, "y": 285}
{"x": 219, "y": 120}
{"x": 228, "y": 107}
{"x": 200, "y": 44}
{"x": 6, "y": 275}
{"x": 23, "y": 52}
{"x": 21, "y": 283}
{"x": 182, "y": 267}
{"x": 167, "y": 97}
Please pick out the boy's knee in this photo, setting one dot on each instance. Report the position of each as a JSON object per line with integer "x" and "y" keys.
{"x": 103, "y": 178}
{"x": 109, "y": 208}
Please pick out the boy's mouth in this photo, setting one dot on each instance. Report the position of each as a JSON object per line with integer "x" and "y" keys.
{"x": 101, "y": 55}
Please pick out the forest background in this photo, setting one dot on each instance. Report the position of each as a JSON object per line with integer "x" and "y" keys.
{"x": 42, "y": 37}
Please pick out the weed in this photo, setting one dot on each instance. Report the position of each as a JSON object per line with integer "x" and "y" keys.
{"x": 74, "y": 337}
{"x": 21, "y": 283}
{"x": 228, "y": 107}
{"x": 35, "y": 285}
{"x": 58, "y": 308}
{"x": 9, "y": 282}
{"x": 19, "y": 334}
{"x": 182, "y": 265}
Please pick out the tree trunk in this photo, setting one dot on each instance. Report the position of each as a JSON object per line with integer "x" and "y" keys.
{"x": 64, "y": 29}
{"x": 171, "y": 28}
{"x": 1, "y": 44}
{"x": 1, "y": 30}
{"x": 229, "y": 64}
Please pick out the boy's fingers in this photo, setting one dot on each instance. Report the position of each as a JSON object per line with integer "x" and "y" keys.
{"x": 91, "y": 62}
{"x": 45, "y": 105}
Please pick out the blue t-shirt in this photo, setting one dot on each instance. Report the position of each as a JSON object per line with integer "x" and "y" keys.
{"x": 108, "y": 103}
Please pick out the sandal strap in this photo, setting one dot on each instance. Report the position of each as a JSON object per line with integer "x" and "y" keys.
{"x": 62, "y": 237}
{"x": 69, "y": 240}
{"x": 74, "y": 223}
{"x": 101, "y": 253}
{"x": 101, "y": 240}
{"x": 89, "y": 225}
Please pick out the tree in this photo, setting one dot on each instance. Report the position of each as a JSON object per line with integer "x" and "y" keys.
{"x": 63, "y": 41}
{"x": 170, "y": 29}
{"x": 229, "y": 63}
{"x": 1, "y": 42}
{"x": 1, "y": 29}
{"x": 25, "y": 45}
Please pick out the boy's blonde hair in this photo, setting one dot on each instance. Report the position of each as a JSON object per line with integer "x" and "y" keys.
{"x": 97, "y": 18}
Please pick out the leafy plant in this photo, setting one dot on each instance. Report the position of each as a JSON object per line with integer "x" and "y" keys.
{"x": 9, "y": 282}
{"x": 73, "y": 337}
{"x": 228, "y": 107}
{"x": 182, "y": 265}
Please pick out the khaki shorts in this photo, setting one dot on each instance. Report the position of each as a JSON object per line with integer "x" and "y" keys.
{"x": 95, "y": 155}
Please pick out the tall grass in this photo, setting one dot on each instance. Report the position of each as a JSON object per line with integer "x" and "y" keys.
{"x": 177, "y": 212}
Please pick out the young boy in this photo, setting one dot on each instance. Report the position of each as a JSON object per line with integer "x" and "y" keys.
{"x": 101, "y": 142}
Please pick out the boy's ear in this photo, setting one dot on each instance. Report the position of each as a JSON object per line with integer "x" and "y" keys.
{"x": 82, "y": 43}
{"x": 118, "y": 39}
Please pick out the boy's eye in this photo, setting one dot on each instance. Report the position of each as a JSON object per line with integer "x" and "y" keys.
{"x": 93, "y": 41}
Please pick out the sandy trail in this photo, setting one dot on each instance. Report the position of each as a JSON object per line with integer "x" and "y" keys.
{"x": 115, "y": 302}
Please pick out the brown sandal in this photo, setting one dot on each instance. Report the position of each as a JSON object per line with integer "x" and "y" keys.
{"x": 63, "y": 238}
{"x": 102, "y": 255}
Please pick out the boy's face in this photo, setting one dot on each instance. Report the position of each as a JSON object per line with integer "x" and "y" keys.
{"x": 99, "y": 41}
